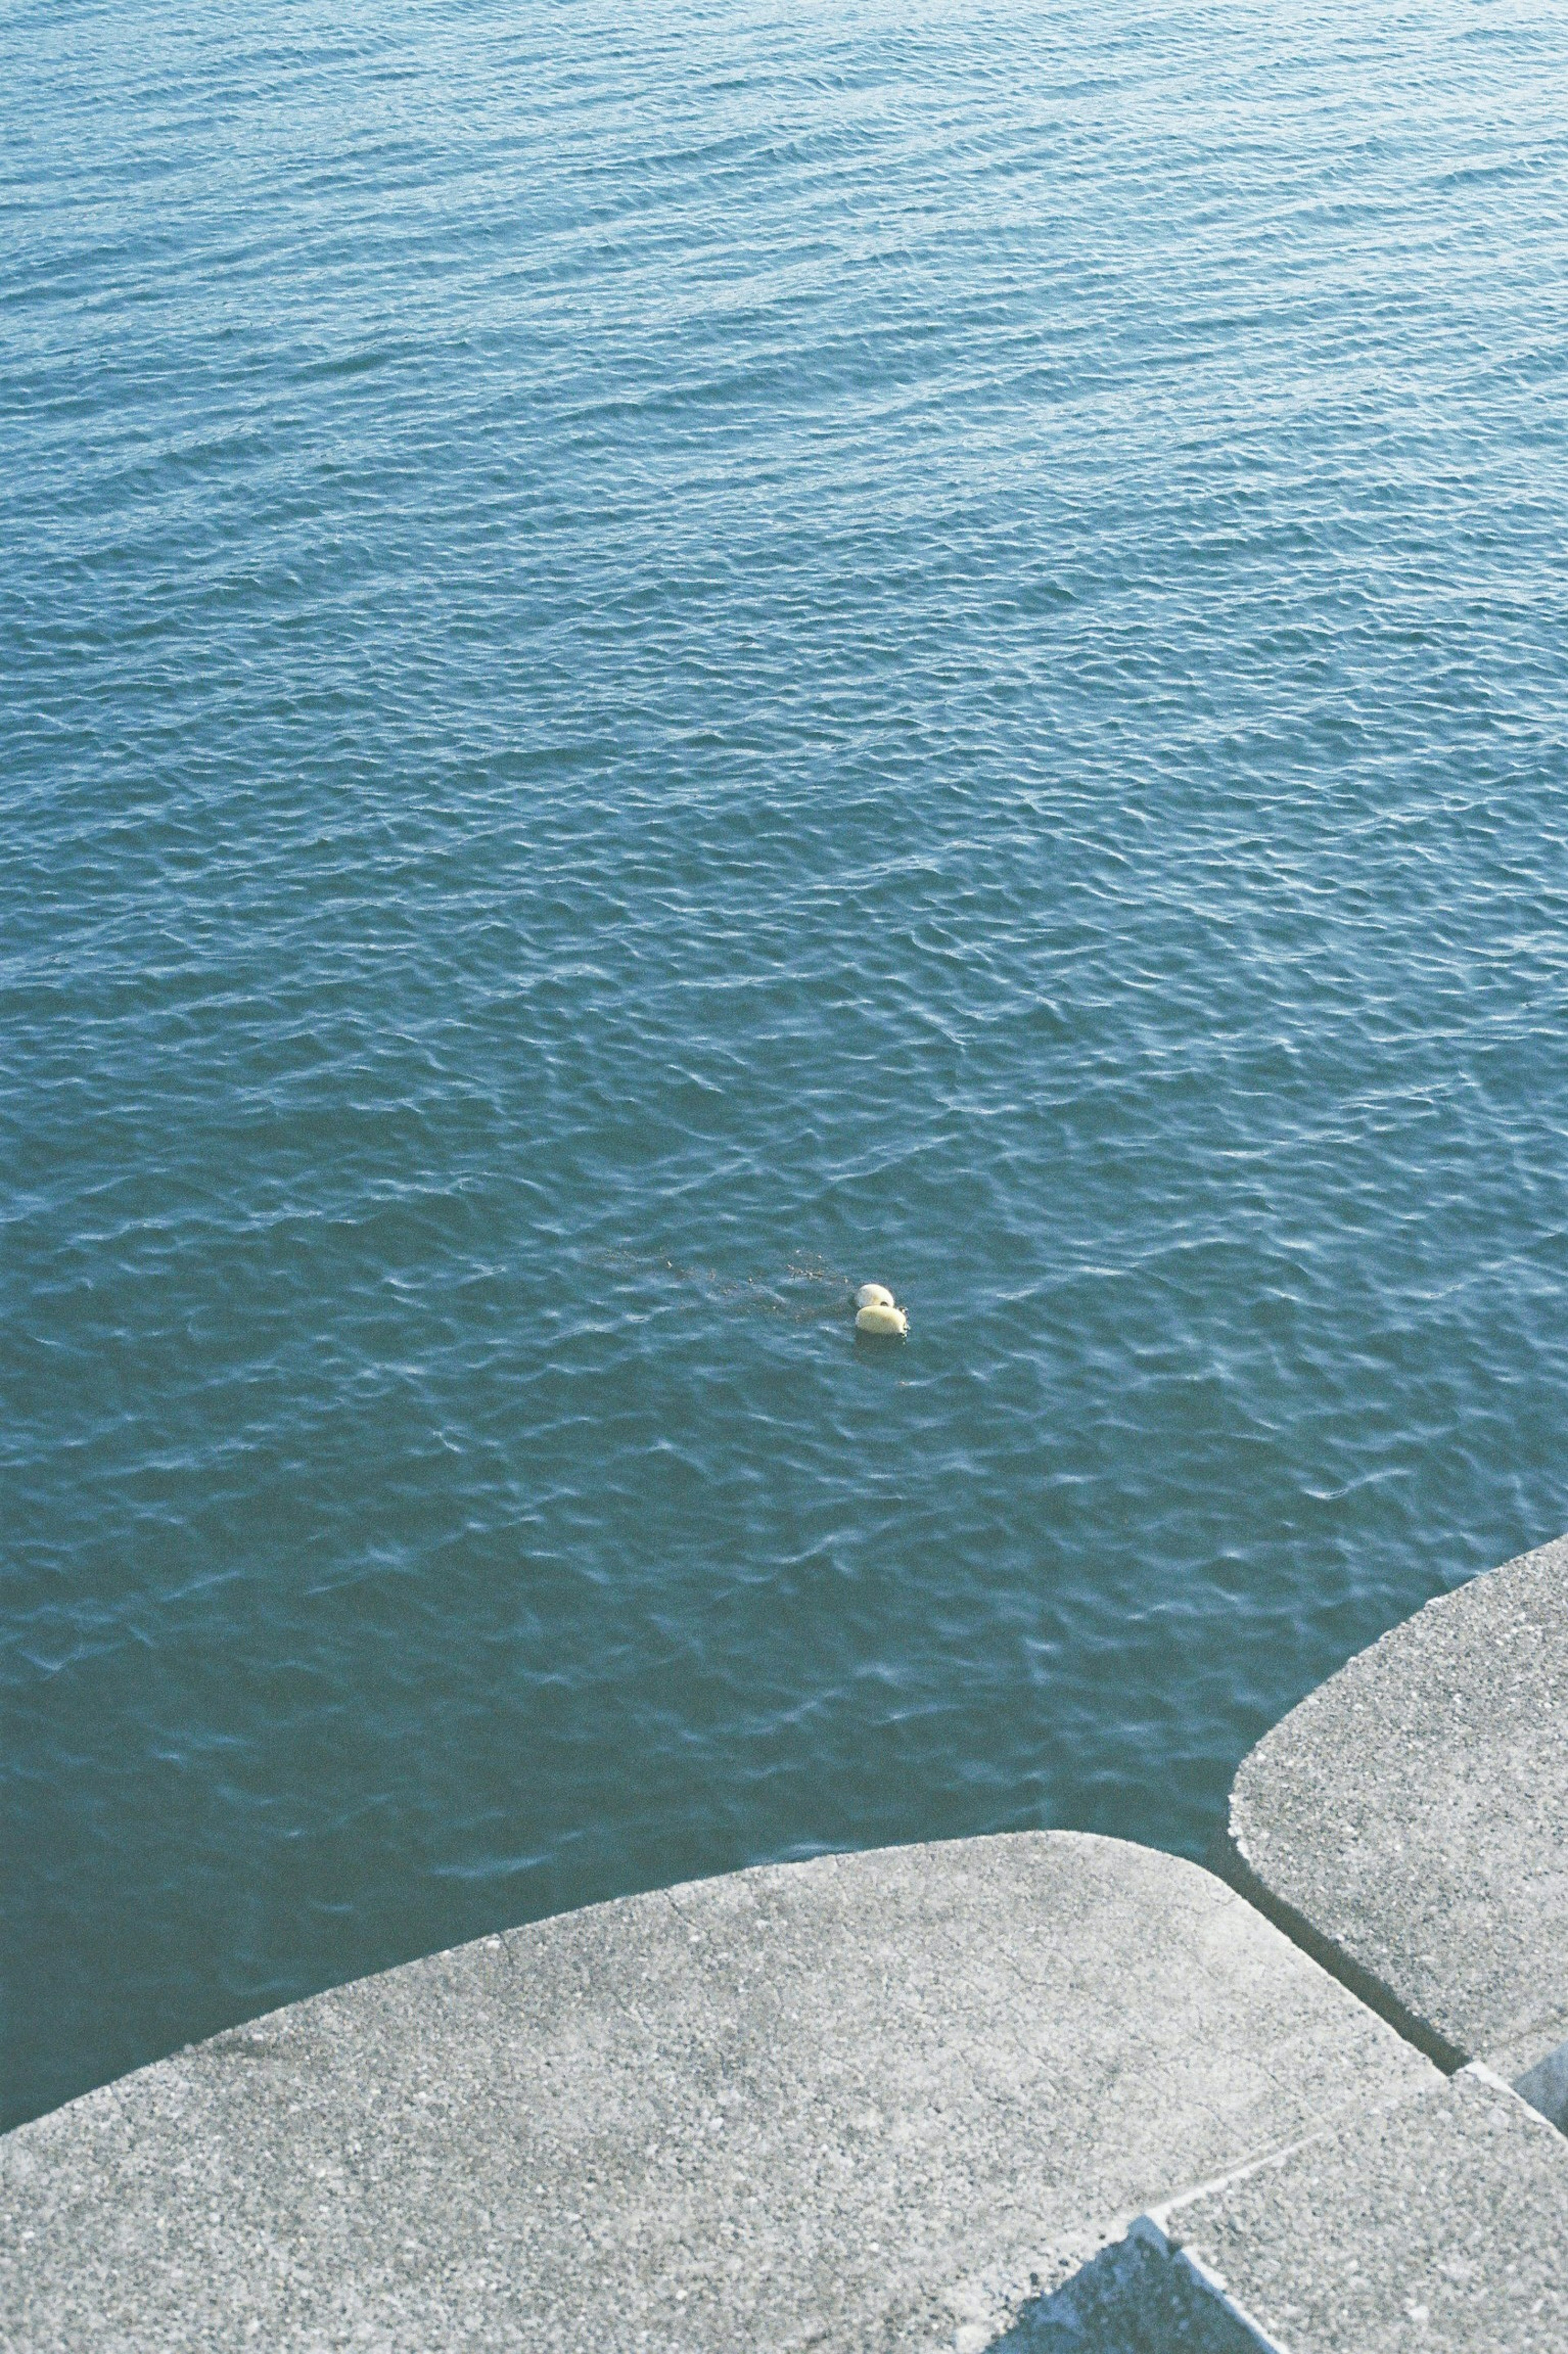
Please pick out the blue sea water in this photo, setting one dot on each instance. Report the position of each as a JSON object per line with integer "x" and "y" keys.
{"x": 656, "y": 660}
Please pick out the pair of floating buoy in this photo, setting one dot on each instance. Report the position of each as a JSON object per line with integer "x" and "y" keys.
{"x": 879, "y": 1313}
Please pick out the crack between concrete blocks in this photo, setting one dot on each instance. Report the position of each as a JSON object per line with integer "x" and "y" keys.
{"x": 1228, "y": 1862}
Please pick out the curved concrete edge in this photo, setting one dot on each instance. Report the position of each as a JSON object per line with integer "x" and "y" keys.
{"x": 880, "y": 2101}
{"x": 1407, "y": 1823}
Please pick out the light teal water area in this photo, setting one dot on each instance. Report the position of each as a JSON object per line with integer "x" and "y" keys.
{"x": 658, "y": 660}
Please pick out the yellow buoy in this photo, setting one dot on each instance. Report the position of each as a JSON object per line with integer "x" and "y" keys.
{"x": 873, "y": 1295}
{"x": 881, "y": 1320}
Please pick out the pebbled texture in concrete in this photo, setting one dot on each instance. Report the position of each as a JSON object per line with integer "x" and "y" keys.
{"x": 869, "y": 2103}
{"x": 1435, "y": 2221}
{"x": 1409, "y": 1821}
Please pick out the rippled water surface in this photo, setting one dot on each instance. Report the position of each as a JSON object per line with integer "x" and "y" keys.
{"x": 658, "y": 660}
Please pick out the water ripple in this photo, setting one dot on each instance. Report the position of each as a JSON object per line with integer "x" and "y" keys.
{"x": 658, "y": 662}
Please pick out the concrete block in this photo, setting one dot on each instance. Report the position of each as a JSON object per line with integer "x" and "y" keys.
{"x": 1433, "y": 2221}
{"x": 875, "y": 2103}
{"x": 1409, "y": 1822}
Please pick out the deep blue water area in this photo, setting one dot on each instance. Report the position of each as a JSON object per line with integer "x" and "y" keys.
{"x": 654, "y": 662}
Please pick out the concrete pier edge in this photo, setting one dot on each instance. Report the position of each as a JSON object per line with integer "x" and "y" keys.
{"x": 1011, "y": 2092}
{"x": 1407, "y": 1824}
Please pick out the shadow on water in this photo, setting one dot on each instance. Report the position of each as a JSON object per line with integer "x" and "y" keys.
{"x": 808, "y": 1291}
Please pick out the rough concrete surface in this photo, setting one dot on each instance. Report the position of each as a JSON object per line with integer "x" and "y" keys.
{"x": 1434, "y": 2222}
{"x": 872, "y": 2102}
{"x": 1412, "y": 1815}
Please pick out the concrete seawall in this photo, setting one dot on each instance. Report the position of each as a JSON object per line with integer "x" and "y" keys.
{"x": 1409, "y": 1822}
{"x": 1038, "y": 2091}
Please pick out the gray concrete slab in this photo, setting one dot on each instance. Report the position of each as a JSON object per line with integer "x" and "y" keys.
{"x": 1437, "y": 2221}
{"x": 1409, "y": 1821}
{"x": 869, "y": 2103}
